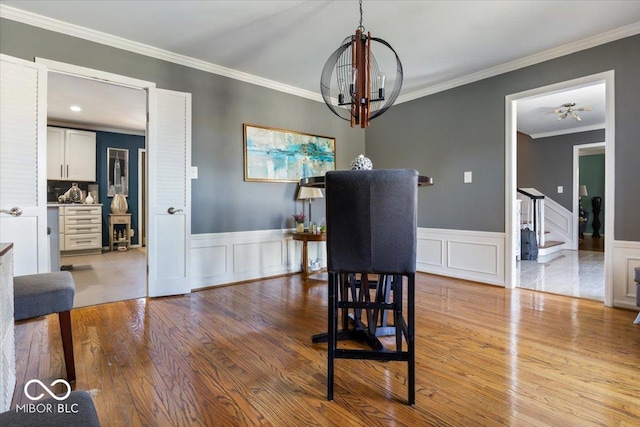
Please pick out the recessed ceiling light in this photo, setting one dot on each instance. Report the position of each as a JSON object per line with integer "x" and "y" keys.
{"x": 75, "y": 108}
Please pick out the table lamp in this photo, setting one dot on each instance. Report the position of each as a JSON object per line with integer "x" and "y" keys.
{"x": 582, "y": 192}
{"x": 309, "y": 193}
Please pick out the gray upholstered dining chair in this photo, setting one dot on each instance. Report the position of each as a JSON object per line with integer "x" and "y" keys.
{"x": 371, "y": 230}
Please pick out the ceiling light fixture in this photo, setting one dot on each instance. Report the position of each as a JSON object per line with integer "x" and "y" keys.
{"x": 75, "y": 108}
{"x": 359, "y": 83}
{"x": 570, "y": 111}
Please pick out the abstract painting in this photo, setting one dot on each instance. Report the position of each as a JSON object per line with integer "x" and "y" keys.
{"x": 278, "y": 155}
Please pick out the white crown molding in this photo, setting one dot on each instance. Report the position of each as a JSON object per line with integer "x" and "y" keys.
{"x": 143, "y": 49}
{"x": 121, "y": 43}
{"x": 609, "y": 36}
{"x": 567, "y": 131}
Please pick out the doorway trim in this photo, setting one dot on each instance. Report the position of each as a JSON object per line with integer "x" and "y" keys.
{"x": 576, "y": 183}
{"x": 511, "y": 110}
{"x": 142, "y": 196}
{"x": 105, "y": 77}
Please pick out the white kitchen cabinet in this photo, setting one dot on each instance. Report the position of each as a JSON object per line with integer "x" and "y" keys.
{"x": 82, "y": 229}
{"x": 71, "y": 155}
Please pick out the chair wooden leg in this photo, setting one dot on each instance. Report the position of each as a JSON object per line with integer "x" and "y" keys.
{"x": 411, "y": 338}
{"x": 332, "y": 329}
{"x": 67, "y": 344}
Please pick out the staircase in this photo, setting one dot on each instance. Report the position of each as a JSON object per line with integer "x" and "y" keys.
{"x": 551, "y": 222}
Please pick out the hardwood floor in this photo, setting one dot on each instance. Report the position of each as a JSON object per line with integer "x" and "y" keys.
{"x": 242, "y": 355}
{"x": 589, "y": 243}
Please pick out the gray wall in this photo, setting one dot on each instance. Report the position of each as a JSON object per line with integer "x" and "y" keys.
{"x": 221, "y": 200}
{"x": 441, "y": 135}
{"x": 546, "y": 163}
{"x": 462, "y": 129}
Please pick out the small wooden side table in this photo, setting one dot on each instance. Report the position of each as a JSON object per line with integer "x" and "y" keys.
{"x": 124, "y": 219}
{"x": 304, "y": 238}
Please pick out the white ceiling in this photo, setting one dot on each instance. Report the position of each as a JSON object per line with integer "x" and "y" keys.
{"x": 104, "y": 106}
{"x": 441, "y": 43}
{"x": 537, "y": 119}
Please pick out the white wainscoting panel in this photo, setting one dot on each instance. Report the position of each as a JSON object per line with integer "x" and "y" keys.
{"x": 626, "y": 257}
{"x": 471, "y": 255}
{"x": 222, "y": 258}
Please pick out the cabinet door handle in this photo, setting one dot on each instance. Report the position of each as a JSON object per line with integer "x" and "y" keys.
{"x": 61, "y": 176}
{"x": 67, "y": 171}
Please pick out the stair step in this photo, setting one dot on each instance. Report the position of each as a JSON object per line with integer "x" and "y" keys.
{"x": 550, "y": 244}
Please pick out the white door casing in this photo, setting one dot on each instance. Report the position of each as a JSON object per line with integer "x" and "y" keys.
{"x": 511, "y": 101}
{"x": 169, "y": 196}
{"x": 169, "y": 271}
{"x": 23, "y": 157}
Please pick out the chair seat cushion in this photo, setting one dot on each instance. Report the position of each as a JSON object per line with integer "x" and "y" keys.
{"x": 41, "y": 294}
{"x": 77, "y": 410}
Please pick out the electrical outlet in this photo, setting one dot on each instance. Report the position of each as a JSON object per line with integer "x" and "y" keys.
{"x": 194, "y": 172}
{"x": 467, "y": 177}
{"x": 560, "y": 189}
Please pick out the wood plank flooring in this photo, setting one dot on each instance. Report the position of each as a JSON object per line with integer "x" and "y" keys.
{"x": 242, "y": 356}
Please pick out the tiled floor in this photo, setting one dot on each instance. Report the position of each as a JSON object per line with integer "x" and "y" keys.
{"x": 111, "y": 276}
{"x": 574, "y": 273}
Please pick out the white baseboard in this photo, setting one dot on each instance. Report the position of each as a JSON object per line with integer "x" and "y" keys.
{"x": 470, "y": 255}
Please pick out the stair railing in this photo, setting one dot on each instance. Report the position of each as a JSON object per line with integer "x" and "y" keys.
{"x": 535, "y": 207}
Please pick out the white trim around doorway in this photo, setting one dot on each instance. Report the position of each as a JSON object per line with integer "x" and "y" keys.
{"x": 576, "y": 183}
{"x": 511, "y": 110}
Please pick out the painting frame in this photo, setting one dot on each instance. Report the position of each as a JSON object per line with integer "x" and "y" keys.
{"x": 281, "y": 155}
{"x": 120, "y": 155}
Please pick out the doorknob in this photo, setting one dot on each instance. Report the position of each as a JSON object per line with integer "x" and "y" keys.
{"x": 173, "y": 210}
{"x": 12, "y": 211}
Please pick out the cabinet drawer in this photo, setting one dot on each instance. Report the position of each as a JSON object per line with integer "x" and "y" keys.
{"x": 121, "y": 219}
{"x": 82, "y": 228}
{"x": 82, "y": 241}
{"x": 82, "y": 210}
{"x": 81, "y": 220}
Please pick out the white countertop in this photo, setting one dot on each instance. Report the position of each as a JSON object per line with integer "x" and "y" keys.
{"x": 57, "y": 205}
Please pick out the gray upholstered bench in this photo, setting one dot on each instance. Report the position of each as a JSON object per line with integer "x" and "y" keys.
{"x": 75, "y": 410}
{"x": 636, "y": 277}
{"x": 37, "y": 295}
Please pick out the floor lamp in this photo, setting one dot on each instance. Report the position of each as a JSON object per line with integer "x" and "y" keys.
{"x": 309, "y": 193}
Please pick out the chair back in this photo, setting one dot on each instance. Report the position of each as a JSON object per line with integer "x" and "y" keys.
{"x": 372, "y": 221}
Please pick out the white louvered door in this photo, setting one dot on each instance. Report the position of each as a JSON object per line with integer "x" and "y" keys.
{"x": 169, "y": 181}
{"x": 23, "y": 162}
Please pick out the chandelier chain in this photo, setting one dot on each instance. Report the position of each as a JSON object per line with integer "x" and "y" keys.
{"x": 361, "y": 27}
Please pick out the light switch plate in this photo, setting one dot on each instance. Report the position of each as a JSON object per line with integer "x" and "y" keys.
{"x": 467, "y": 177}
{"x": 560, "y": 189}
{"x": 194, "y": 172}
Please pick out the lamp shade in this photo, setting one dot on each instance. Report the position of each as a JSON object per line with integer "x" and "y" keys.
{"x": 583, "y": 191}
{"x": 309, "y": 193}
